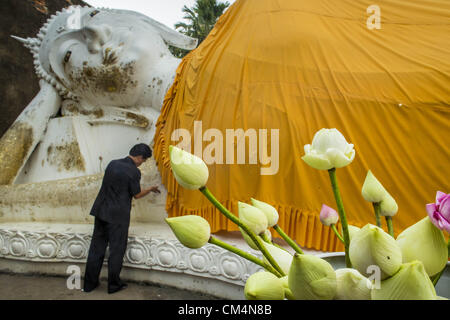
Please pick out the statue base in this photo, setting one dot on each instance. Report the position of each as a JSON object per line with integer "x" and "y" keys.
{"x": 153, "y": 255}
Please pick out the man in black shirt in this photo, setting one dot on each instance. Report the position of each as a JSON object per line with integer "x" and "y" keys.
{"x": 111, "y": 209}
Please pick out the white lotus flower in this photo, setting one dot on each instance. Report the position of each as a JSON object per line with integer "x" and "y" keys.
{"x": 282, "y": 257}
{"x": 411, "y": 282}
{"x": 372, "y": 246}
{"x": 264, "y": 286}
{"x": 352, "y": 285}
{"x": 254, "y": 218}
{"x": 287, "y": 292}
{"x": 373, "y": 190}
{"x": 328, "y": 150}
{"x": 388, "y": 206}
{"x": 285, "y": 282}
{"x": 270, "y": 212}
{"x": 192, "y": 231}
{"x": 190, "y": 171}
{"x": 352, "y": 230}
{"x": 250, "y": 241}
{"x": 424, "y": 242}
{"x": 312, "y": 278}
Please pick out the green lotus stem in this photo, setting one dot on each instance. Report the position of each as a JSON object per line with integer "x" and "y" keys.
{"x": 257, "y": 240}
{"x": 288, "y": 239}
{"x": 342, "y": 216}
{"x": 243, "y": 254}
{"x": 333, "y": 227}
{"x": 390, "y": 226}
{"x": 265, "y": 238}
{"x": 278, "y": 246}
{"x": 376, "y": 208}
{"x": 436, "y": 277}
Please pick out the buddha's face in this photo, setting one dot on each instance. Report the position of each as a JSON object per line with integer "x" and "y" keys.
{"x": 112, "y": 59}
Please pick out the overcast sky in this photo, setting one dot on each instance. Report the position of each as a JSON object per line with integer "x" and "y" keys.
{"x": 165, "y": 11}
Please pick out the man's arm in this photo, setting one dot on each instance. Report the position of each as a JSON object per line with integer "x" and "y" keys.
{"x": 145, "y": 192}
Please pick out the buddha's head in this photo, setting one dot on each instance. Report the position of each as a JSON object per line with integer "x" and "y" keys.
{"x": 104, "y": 56}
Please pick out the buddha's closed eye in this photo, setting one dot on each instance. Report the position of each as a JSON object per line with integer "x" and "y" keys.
{"x": 93, "y": 13}
{"x": 67, "y": 56}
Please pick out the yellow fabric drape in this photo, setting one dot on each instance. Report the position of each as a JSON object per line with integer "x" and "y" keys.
{"x": 299, "y": 66}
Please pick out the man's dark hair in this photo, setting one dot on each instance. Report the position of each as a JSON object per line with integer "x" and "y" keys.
{"x": 141, "y": 149}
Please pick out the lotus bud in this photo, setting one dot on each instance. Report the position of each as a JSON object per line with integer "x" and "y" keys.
{"x": 352, "y": 285}
{"x": 411, "y": 282}
{"x": 254, "y": 218}
{"x": 264, "y": 286}
{"x": 189, "y": 171}
{"x": 250, "y": 241}
{"x": 247, "y": 239}
{"x": 268, "y": 234}
{"x": 352, "y": 230}
{"x": 192, "y": 231}
{"x": 424, "y": 242}
{"x": 328, "y": 150}
{"x": 282, "y": 257}
{"x": 287, "y": 292}
{"x": 373, "y": 190}
{"x": 439, "y": 212}
{"x": 328, "y": 216}
{"x": 311, "y": 278}
{"x": 388, "y": 206}
{"x": 285, "y": 282}
{"x": 270, "y": 212}
{"x": 372, "y": 246}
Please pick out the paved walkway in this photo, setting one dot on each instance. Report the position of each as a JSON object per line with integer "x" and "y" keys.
{"x": 23, "y": 287}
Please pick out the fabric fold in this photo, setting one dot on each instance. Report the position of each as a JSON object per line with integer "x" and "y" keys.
{"x": 297, "y": 66}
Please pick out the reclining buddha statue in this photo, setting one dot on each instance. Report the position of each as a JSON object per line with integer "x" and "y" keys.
{"x": 289, "y": 67}
{"x": 103, "y": 76}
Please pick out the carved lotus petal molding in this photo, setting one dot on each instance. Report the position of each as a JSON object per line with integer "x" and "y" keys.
{"x": 159, "y": 254}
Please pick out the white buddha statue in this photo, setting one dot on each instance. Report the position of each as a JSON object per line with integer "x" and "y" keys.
{"x": 104, "y": 77}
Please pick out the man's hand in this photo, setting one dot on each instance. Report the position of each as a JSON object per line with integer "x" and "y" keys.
{"x": 154, "y": 189}
{"x": 145, "y": 192}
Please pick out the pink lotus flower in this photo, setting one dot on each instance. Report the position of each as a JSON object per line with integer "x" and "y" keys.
{"x": 439, "y": 212}
{"x": 328, "y": 216}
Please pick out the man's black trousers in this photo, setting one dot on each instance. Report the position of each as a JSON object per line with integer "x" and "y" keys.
{"x": 116, "y": 235}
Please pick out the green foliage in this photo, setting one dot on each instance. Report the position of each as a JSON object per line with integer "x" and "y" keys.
{"x": 199, "y": 21}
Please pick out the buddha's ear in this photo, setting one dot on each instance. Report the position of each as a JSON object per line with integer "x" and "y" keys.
{"x": 172, "y": 37}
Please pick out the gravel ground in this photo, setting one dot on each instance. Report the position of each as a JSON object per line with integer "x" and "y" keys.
{"x": 25, "y": 287}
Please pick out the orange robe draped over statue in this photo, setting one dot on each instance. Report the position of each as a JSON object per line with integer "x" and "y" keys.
{"x": 299, "y": 66}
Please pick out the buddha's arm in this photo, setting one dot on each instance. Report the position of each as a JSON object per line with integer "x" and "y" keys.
{"x": 17, "y": 144}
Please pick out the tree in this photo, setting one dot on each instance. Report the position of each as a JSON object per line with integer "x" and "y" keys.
{"x": 200, "y": 20}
